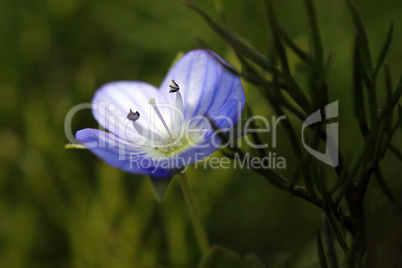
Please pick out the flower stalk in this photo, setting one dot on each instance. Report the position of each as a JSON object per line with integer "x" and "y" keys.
{"x": 199, "y": 231}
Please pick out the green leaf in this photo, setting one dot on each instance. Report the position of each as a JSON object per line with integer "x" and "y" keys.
{"x": 220, "y": 257}
{"x": 219, "y": 10}
{"x": 384, "y": 187}
{"x": 364, "y": 259}
{"x": 298, "y": 51}
{"x": 161, "y": 185}
{"x": 366, "y": 61}
{"x": 388, "y": 81}
{"x": 318, "y": 87}
{"x": 329, "y": 243}
{"x": 254, "y": 135}
{"x": 384, "y": 50}
{"x": 231, "y": 38}
{"x": 362, "y": 39}
{"x": 353, "y": 258}
{"x": 276, "y": 36}
{"x": 396, "y": 151}
{"x": 388, "y": 90}
{"x": 358, "y": 100}
{"x": 320, "y": 249}
{"x": 400, "y": 117}
{"x": 393, "y": 101}
{"x": 252, "y": 261}
{"x": 315, "y": 35}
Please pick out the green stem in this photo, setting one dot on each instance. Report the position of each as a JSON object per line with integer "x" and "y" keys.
{"x": 199, "y": 231}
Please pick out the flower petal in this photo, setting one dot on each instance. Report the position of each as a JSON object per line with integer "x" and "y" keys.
{"x": 208, "y": 89}
{"x": 113, "y": 102}
{"x": 119, "y": 153}
{"x": 197, "y": 153}
{"x": 224, "y": 119}
{"x": 206, "y": 85}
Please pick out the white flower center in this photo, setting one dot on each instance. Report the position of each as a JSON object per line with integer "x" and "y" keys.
{"x": 160, "y": 144}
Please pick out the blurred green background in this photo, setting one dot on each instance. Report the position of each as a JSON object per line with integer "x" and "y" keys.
{"x": 66, "y": 208}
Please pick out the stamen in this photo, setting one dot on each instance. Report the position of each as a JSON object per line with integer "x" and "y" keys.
{"x": 178, "y": 116}
{"x": 152, "y": 102}
{"x": 145, "y": 132}
{"x": 173, "y": 86}
{"x": 133, "y": 116}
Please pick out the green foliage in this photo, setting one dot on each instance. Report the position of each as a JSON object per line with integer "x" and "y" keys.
{"x": 219, "y": 257}
{"x": 66, "y": 208}
{"x": 272, "y": 74}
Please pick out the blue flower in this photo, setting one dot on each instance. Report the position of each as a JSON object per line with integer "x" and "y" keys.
{"x": 154, "y": 131}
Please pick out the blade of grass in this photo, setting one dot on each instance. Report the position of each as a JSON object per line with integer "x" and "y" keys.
{"x": 320, "y": 250}
{"x": 383, "y": 52}
{"x": 388, "y": 89}
{"x": 366, "y": 61}
{"x": 329, "y": 243}
{"x": 298, "y": 51}
{"x": 400, "y": 117}
{"x": 396, "y": 151}
{"x": 358, "y": 100}
{"x": 396, "y": 95}
{"x": 231, "y": 38}
{"x": 276, "y": 36}
{"x": 361, "y": 37}
{"x": 384, "y": 187}
{"x": 315, "y": 34}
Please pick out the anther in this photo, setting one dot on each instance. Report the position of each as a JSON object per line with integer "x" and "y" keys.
{"x": 133, "y": 116}
{"x": 146, "y": 133}
{"x": 173, "y": 87}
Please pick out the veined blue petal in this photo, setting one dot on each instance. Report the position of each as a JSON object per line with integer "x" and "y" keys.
{"x": 209, "y": 90}
{"x": 118, "y": 153}
{"x": 113, "y": 102}
{"x": 224, "y": 119}
{"x": 198, "y": 152}
{"x": 228, "y": 114}
{"x": 205, "y": 84}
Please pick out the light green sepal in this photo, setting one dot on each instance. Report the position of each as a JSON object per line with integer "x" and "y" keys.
{"x": 160, "y": 185}
{"x": 74, "y": 146}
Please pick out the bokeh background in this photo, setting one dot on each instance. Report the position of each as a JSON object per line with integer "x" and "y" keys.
{"x": 66, "y": 208}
